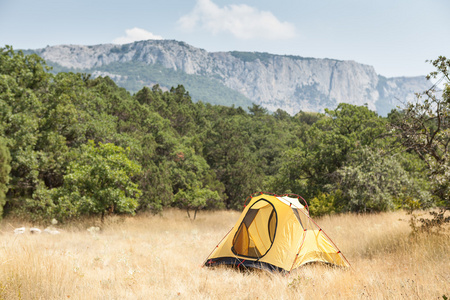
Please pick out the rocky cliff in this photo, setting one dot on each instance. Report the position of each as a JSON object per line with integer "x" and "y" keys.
{"x": 292, "y": 83}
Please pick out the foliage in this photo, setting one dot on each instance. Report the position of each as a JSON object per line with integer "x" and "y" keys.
{"x": 264, "y": 57}
{"x": 199, "y": 86}
{"x": 323, "y": 147}
{"x": 424, "y": 127}
{"x": 374, "y": 181}
{"x": 325, "y": 204}
{"x": 252, "y": 56}
{"x": 5, "y": 168}
{"x": 435, "y": 224}
{"x": 197, "y": 198}
{"x": 229, "y": 152}
{"x": 98, "y": 180}
{"x": 80, "y": 145}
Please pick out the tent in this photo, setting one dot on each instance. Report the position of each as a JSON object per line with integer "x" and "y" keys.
{"x": 275, "y": 233}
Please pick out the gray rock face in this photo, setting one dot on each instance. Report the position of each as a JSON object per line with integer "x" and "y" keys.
{"x": 291, "y": 83}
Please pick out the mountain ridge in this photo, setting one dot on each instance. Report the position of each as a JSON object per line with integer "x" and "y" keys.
{"x": 287, "y": 82}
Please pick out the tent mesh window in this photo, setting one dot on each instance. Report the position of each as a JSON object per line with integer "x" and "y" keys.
{"x": 305, "y": 221}
{"x": 256, "y": 233}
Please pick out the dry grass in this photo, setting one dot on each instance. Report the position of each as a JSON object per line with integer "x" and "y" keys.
{"x": 160, "y": 257}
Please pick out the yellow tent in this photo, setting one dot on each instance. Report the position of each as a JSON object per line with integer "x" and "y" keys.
{"x": 275, "y": 233}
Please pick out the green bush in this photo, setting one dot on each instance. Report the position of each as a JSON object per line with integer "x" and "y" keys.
{"x": 325, "y": 203}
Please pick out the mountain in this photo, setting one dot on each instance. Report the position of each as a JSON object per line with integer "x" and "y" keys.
{"x": 292, "y": 83}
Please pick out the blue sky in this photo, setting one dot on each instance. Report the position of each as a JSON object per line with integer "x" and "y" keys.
{"x": 394, "y": 36}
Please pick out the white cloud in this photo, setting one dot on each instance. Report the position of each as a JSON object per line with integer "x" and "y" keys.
{"x": 136, "y": 34}
{"x": 242, "y": 21}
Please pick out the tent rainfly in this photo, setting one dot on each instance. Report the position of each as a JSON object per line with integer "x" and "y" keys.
{"x": 275, "y": 233}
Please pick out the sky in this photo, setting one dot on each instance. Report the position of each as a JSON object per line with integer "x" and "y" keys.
{"x": 396, "y": 37}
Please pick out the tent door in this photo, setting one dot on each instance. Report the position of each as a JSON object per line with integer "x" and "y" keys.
{"x": 256, "y": 233}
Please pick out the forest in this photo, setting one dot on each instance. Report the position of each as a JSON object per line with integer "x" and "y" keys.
{"x": 72, "y": 145}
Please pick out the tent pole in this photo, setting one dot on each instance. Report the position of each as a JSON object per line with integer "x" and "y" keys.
{"x": 217, "y": 246}
{"x": 339, "y": 250}
{"x": 299, "y": 249}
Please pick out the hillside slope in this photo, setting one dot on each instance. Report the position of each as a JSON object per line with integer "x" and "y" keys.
{"x": 292, "y": 83}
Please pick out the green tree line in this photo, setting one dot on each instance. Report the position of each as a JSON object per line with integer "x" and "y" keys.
{"x": 73, "y": 145}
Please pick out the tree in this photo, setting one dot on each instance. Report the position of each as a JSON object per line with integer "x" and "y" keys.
{"x": 194, "y": 184}
{"x": 197, "y": 198}
{"x": 229, "y": 150}
{"x": 424, "y": 127}
{"x": 22, "y": 78}
{"x": 99, "y": 180}
{"x": 324, "y": 147}
{"x": 372, "y": 181}
{"x": 257, "y": 110}
{"x": 4, "y": 173}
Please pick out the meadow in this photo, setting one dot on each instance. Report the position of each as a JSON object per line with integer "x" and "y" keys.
{"x": 160, "y": 257}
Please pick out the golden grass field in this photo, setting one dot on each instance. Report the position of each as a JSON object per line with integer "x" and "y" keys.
{"x": 160, "y": 257}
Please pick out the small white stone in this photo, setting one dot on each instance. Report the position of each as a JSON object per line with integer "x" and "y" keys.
{"x": 19, "y": 230}
{"x": 51, "y": 231}
{"x": 35, "y": 230}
